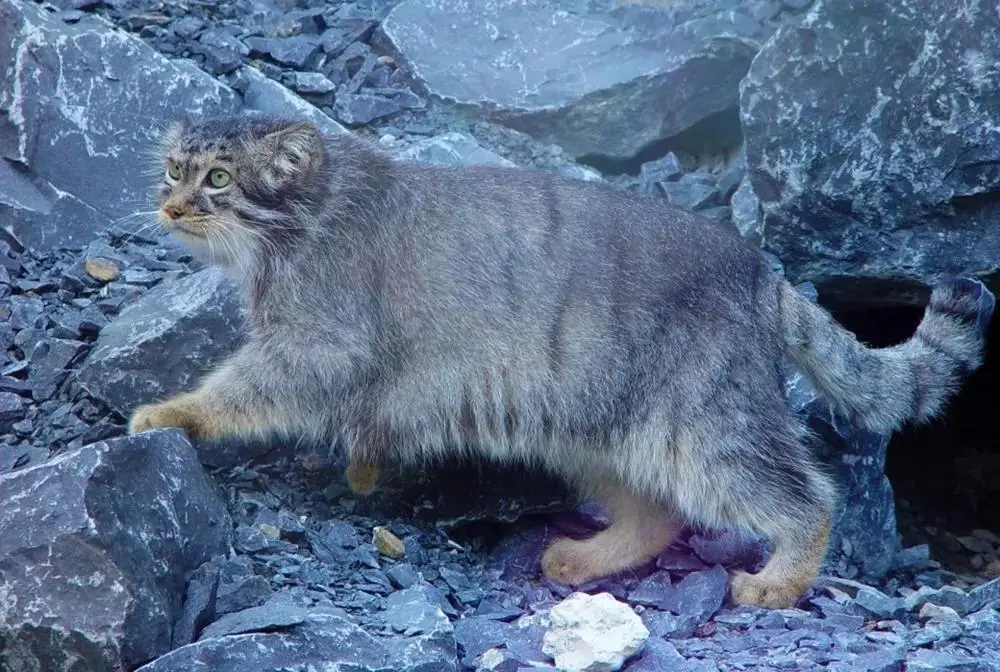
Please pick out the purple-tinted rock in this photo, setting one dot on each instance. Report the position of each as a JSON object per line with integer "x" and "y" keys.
{"x": 699, "y": 594}
{"x": 651, "y": 589}
{"x": 312, "y": 82}
{"x": 657, "y": 656}
{"x": 691, "y": 195}
{"x": 678, "y": 559}
{"x": 357, "y": 109}
{"x": 526, "y": 642}
{"x": 729, "y": 549}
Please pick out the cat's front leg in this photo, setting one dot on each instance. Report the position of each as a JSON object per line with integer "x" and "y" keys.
{"x": 194, "y": 413}
{"x": 235, "y": 401}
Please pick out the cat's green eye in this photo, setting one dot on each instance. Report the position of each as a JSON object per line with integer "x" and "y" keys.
{"x": 219, "y": 178}
{"x": 173, "y": 170}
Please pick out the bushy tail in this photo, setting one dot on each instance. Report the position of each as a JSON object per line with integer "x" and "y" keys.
{"x": 881, "y": 388}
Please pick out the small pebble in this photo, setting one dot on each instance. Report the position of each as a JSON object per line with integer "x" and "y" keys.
{"x": 102, "y": 269}
{"x": 387, "y": 543}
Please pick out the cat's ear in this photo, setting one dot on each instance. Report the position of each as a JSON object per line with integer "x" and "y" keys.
{"x": 174, "y": 130}
{"x": 166, "y": 139}
{"x": 292, "y": 152}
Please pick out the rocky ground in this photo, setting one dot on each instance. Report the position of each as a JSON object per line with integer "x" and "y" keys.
{"x": 121, "y": 552}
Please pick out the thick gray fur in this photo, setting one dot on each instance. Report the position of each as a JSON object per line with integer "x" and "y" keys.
{"x": 415, "y": 311}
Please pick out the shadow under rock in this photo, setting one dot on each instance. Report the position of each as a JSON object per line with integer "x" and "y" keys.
{"x": 448, "y": 494}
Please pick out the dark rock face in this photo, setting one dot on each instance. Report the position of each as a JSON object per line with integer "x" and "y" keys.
{"x": 163, "y": 342}
{"x": 62, "y": 125}
{"x": 872, "y": 142}
{"x": 612, "y": 82}
{"x": 95, "y": 548}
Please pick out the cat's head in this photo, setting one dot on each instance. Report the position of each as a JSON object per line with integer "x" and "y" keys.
{"x": 236, "y": 185}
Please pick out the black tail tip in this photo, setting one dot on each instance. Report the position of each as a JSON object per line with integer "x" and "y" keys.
{"x": 966, "y": 299}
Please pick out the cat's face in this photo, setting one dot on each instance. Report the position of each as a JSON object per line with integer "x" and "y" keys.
{"x": 228, "y": 184}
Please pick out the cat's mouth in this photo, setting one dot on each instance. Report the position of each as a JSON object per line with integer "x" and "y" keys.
{"x": 191, "y": 227}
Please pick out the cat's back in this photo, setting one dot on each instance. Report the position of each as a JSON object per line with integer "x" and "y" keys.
{"x": 533, "y": 229}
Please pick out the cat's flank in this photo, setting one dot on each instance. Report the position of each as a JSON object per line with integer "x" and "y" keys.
{"x": 631, "y": 347}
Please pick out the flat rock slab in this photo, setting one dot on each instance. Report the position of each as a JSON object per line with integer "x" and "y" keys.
{"x": 593, "y": 81}
{"x": 95, "y": 545}
{"x": 80, "y": 103}
{"x": 321, "y": 640}
{"x": 161, "y": 344}
{"x": 873, "y": 145}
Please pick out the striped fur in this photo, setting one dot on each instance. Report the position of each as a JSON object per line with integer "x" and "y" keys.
{"x": 880, "y": 389}
{"x": 633, "y": 348}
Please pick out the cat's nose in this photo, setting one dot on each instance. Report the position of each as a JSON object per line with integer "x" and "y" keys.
{"x": 172, "y": 211}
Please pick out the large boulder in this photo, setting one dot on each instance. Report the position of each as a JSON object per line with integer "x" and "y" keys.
{"x": 95, "y": 548}
{"x": 80, "y": 104}
{"x": 873, "y": 145}
{"x": 595, "y": 80}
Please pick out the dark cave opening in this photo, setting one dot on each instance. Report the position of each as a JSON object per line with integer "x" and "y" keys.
{"x": 718, "y": 134}
{"x": 945, "y": 474}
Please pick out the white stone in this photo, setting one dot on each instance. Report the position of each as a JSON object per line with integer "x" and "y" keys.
{"x": 593, "y": 633}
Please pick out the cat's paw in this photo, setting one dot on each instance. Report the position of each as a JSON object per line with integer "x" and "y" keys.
{"x": 571, "y": 562}
{"x": 764, "y": 590}
{"x": 170, "y": 413}
{"x": 362, "y": 477}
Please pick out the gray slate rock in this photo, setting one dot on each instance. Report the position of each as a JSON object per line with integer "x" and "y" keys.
{"x": 63, "y": 125}
{"x": 264, "y": 95}
{"x": 611, "y": 83}
{"x": 653, "y": 173}
{"x": 163, "y": 342}
{"x": 199, "y": 602}
{"x": 322, "y": 638}
{"x": 698, "y": 595}
{"x": 414, "y": 611}
{"x": 265, "y": 617}
{"x": 12, "y": 409}
{"x": 358, "y": 109}
{"x": 888, "y": 170}
{"x": 746, "y": 212}
{"x": 29, "y": 207}
{"x": 94, "y": 548}
{"x": 450, "y": 149}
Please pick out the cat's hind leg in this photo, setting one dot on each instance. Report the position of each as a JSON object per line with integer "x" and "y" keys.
{"x": 640, "y": 530}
